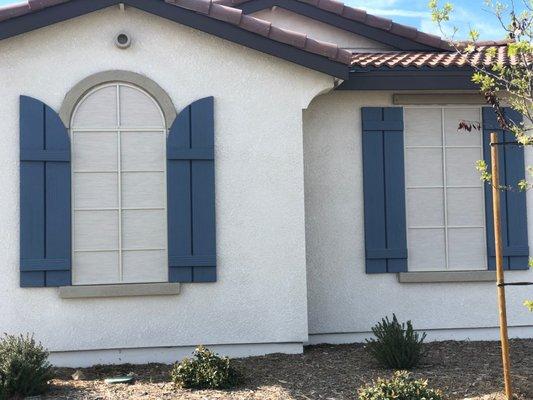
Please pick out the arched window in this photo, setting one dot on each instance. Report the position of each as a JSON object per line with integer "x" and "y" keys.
{"x": 118, "y": 142}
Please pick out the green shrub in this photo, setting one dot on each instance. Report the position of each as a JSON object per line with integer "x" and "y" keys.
{"x": 400, "y": 387}
{"x": 205, "y": 371}
{"x": 24, "y": 367}
{"x": 396, "y": 346}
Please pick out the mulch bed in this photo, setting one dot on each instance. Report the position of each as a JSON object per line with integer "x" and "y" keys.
{"x": 463, "y": 370}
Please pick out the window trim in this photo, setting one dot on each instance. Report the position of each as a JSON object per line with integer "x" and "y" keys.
{"x": 80, "y": 90}
{"x": 118, "y": 129}
{"x": 119, "y": 290}
{"x": 444, "y": 186}
{"x": 447, "y": 276}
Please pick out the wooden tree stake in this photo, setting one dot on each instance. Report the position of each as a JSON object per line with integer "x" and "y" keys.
{"x": 504, "y": 336}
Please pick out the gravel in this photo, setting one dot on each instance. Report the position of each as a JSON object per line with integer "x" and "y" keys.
{"x": 463, "y": 370}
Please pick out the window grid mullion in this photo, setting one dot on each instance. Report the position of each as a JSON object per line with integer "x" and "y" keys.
{"x": 123, "y": 208}
{"x": 113, "y": 250}
{"x": 483, "y": 193}
{"x": 148, "y": 129}
{"x": 119, "y": 182}
{"x": 438, "y": 147}
{"x": 445, "y": 191}
{"x": 448, "y": 187}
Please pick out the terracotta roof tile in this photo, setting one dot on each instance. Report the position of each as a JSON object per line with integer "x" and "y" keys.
{"x": 201, "y": 6}
{"x": 378, "y": 22}
{"x": 404, "y": 31}
{"x": 479, "y": 57}
{"x": 362, "y": 16}
{"x": 326, "y": 49}
{"x": 354, "y": 14}
{"x": 331, "y": 5}
{"x": 430, "y": 40}
{"x": 36, "y": 5}
{"x": 312, "y": 2}
{"x": 18, "y": 9}
{"x": 224, "y": 13}
{"x": 13, "y": 11}
{"x": 259, "y": 26}
{"x": 288, "y": 37}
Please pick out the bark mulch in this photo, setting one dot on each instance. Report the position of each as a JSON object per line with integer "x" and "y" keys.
{"x": 463, "y": 370}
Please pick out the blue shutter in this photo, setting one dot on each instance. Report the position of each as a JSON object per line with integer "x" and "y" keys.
{"x": 384, "y": 190}
{"x": 513, "y": 202}
{"x": 45, "y": 214}
{"x": 191, "y": 195}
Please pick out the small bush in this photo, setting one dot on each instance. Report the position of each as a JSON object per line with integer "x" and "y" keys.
{"x": 396, "y": 346}
{"x": 400, "y": 387}
{"x": 205, "y": 371}
{"x": 24, "y": 367}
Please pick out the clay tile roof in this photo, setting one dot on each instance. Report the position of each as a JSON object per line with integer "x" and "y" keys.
{"x": 479, "y": 57}
{"x": 234, "y": 16}
{"x": 218, "y": 11}
{"x": 362, "y": 16}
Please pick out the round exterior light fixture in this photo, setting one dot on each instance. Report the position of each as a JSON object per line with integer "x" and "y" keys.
{"x": 123, "y": 40}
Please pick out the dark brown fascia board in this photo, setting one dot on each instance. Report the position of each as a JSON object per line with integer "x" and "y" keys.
{"x": 338, "y": 21}
{"x": 412, "y": 78}
{"x": 224, "y": 30}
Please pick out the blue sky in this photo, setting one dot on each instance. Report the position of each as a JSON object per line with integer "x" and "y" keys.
{"x": 467, "y": 13}
{"x": 415, "y": 13}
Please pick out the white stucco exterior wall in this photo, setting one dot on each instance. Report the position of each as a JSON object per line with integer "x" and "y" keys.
{"x": 343, "y": 301}
{"x": 318, "y": 30}
{"x": 260, "y": 296}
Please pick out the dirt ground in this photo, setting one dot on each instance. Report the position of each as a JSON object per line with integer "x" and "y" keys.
{"x": 463, "y": 370}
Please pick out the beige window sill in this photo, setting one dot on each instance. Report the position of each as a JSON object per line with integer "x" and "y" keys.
{"x": 124, "y": 290}
{"x": 447, "y": 276}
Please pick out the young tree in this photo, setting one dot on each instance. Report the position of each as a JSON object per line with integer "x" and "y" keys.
{"x": 503, "y": 82}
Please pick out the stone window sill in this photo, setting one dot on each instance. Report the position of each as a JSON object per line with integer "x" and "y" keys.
{"x": 447, "y": 276}
{"x": 124, "y": 290}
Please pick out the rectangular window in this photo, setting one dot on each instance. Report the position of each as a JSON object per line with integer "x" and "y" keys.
{"x": 444, "y": 195}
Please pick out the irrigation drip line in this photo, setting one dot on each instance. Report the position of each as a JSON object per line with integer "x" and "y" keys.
{"x": 515, "y": 284}
{"x": 505, "y": 143}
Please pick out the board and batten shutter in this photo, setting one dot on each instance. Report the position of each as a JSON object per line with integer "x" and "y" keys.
{"x": 513, "y": 202}
{"x": 384, "y": 189}
{"x": 45, "y": 213}
{"x": 191, "y": 194}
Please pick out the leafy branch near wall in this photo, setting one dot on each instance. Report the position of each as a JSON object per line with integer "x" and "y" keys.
{"x": 500, "y": 83}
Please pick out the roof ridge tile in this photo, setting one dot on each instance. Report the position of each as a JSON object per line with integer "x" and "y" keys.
{"x": 333, "y": 6}
{"x": 354, "y": 14}
{"x": 378, "y": 22}
{"x": 358, "y": 15}
{"x": 36, "y": 5}
{"x": 235, "y": 16}
{"x": 13, "y": 11}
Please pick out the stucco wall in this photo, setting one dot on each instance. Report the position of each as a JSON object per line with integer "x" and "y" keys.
{"x": 260, "y": 296}
{"x": 319, "y": 30}
{"x": 342, "y": 298}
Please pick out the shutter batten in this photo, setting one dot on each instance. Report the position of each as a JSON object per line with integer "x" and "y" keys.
{"x": 513, "y": 202}
{"x": 384, "y": 190}
{"x": 191, "y": 195}
{"x": 45, "y": 220}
